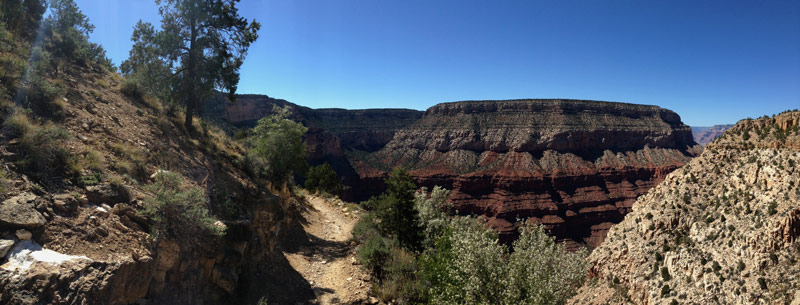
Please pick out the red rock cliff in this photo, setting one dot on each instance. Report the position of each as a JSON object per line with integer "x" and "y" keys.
{"x": 575, "y": 166}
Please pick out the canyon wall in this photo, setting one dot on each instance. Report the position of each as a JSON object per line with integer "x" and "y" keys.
{"x": 575, "y": 166}
{"x": 704, "y": 135}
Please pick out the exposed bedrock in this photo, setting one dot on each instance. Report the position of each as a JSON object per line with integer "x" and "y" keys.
{"x": 573, "y": 165}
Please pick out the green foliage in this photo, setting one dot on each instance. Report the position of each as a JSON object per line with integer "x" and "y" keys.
{"x": 178, "y": 211}
{"x": 462, "y": 261}
{"x": 45, "y": 153}
{"x": 44, "y": 98}
{"x": 199, "y": 50}
{"x": 70, "y": 34}
{"x": 665, "y": 290}
{"x": 374, "y": 253}
{"x": 762, "y": 283}
{"x": 540, "y": 271}
{"x": 22, "y": 17}
{"x": 323, "y": 178}
{"x": 395, "y": 209}
{"x": 772, "y": 208}
{"x": 277, "y": 149}
{"x": 665, "y": 274}
{"x": 147, "y": 73}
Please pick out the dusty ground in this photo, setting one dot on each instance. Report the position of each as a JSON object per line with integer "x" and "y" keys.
{"x": 326, "y": 258}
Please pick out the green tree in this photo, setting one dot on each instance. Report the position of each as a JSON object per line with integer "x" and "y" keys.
{"x": 22, "y": 17}
{"x": 395, "y": 208}
{"x": 203, "y": 43}
{"x": 323, "y": 178}
{"x": 146, "y": 71}
{"x": 276, "y": 148}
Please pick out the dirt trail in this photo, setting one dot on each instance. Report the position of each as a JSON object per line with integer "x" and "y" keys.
{"x": 327, "y": 259}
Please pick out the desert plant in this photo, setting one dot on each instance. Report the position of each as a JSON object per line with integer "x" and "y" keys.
{"x": 373, "y": 254}
{"x": 177, "y": 211}
{"x": 322, "y": 178}
{"x": 276, "y": 148}
{"x": 46, "y": 154}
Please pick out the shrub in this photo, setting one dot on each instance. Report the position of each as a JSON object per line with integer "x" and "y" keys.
{"x": 45, "y": 153}
{"x": 540, "y": 271}
{"x": 19, "y": 124}
{"x": 665, "y": 290}
{"x": 373, "y": 254}
{"x": 772, "y": 208}
{"x": 762, "y": 283}
{"x": 277, "y": 149}
{"x": 665, "y": 274}
{"x": 43, "y": 98}
{"x": 178, "y": 211}
{"x": 323, "y": 178}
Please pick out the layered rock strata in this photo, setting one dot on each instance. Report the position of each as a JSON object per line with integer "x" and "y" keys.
{"x": 575, "y": 166}
{"x": 704, "y": 135}
{"x": 723, "y": 229}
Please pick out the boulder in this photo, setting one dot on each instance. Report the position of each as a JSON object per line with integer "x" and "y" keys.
{"x": 20, "y": 212}
{"x": 23, "y": 234}
{"x": 107, "y": 193}
{"x": 5, "y": 245}
{"x": 65, "y": 203}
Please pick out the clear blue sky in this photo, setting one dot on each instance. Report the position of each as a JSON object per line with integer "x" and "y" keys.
{"x": 710, "y": 61}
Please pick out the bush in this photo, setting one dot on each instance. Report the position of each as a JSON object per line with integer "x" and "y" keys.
{"x": 44, "y": 98}
{"x": 178, "y": 211}
{"x": 540, "y": 271}
{"x": 323, "y": 178}
{"x": 45, "y": 153}
{"x": 276, "y": 148}
{"x": 665, "y": 274}
{"x": 373, "y": 254}
{"x": 665, "y": 290}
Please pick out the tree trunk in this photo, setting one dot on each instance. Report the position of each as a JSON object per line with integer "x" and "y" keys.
{"x": 189, "y": 113}
{"x": 191, "y": 96}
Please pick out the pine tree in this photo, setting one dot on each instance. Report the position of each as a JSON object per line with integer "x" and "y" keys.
{"x": 202, "y": 43}
{"x": 396, "y": 210}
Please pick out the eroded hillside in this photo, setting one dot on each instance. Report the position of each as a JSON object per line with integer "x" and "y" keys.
{"x": 71, "y": 232}
{"x": 576, "y": 166}
{"x": 721, "y": 230}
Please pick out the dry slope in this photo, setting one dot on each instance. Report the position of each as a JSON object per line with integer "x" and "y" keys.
{"x": 721, "y": 230}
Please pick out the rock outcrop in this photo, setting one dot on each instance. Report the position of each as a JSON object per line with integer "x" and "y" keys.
{"x": 576, "y": 166}
{"x": 723, "y": 229}
{"x": 704, "y": 135}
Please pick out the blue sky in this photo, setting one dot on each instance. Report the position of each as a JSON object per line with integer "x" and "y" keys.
{"x": 712, "y": 62}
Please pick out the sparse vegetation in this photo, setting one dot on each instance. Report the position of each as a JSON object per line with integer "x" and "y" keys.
{"x": 178, "y": 211}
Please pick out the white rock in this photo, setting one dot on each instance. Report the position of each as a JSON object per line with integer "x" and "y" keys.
{"x": 23, "y": 234}
{"x": 26, "y": 253}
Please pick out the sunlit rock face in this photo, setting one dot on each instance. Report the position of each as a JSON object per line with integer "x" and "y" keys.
{"x": 576, "y": 166}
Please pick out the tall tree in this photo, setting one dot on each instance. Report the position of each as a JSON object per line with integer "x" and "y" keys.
{"x": 22, "y": 16}
{"x": 396, "y": 210}
{"x": 203, "y": 43}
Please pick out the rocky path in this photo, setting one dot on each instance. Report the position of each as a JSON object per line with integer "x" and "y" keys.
{"x": 327, "y": 259}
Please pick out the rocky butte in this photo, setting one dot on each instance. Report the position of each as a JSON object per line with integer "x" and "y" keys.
{"x": 723, "y": 229}
{"x": 576, "y": 166}
{"x": 704, "y": 135}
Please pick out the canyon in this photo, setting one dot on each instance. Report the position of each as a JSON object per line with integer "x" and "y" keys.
{"x": 704, "y": 135}
{"x": 575, "y": 166}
